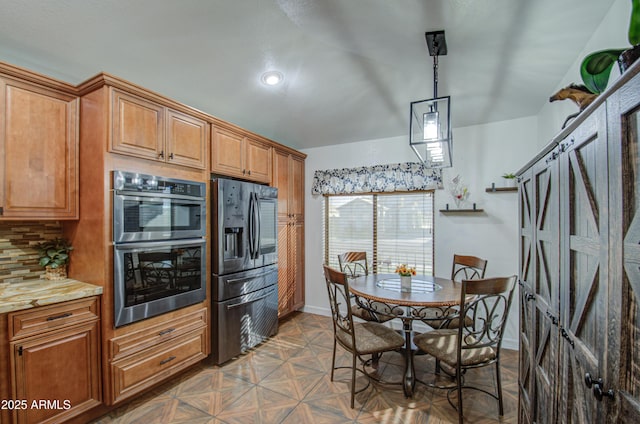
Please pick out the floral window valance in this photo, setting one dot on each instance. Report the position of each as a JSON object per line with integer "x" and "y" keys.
{"x": 408, "y": 176}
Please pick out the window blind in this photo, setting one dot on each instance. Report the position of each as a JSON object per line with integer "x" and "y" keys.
{"x": 392, "y": 228}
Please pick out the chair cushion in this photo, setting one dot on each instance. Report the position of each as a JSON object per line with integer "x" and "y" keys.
{"x": 366, "y": 315}
{"x": 372, "y": 337}
{"x": 442, "y": 344}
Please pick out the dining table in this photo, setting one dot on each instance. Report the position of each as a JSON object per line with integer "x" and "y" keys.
{"x": 430, "y": 299}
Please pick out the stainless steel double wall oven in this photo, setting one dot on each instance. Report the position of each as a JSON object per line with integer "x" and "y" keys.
{"x": 244, "y": 261}
{"x": 159, "y": 228}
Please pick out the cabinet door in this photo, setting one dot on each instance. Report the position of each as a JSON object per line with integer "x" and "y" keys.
{"x": 280, "y": 180}
{"x": 546, "y": 281}
{"x": 526, "y": 277}
{"x": 137, "y": 127}
{"x": 624, "y": 218}
{"x": 585, "y": 269}
{"x": 258, "y": 161}
{"x": 67, "y": 362}
{"x": 38, "y": 148}
{"x": 227, "y": 152}
{"x": 187, "y": 139}
{"x": 285, "y": 270}
{"x": 297, "y": 187}
{"x": 297, "y": 263}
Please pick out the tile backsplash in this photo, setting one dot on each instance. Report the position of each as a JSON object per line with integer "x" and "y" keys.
{"x": 18, "y": 255}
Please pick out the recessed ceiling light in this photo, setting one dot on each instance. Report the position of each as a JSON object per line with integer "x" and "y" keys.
{"x": 272, "y": 78}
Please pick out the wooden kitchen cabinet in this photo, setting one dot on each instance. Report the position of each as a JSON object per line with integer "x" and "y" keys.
{"x": 234, "y": 154}
{"x": 39, "y": 132}
{"x": 55, "y": 360}
{"x": 288, "y": 177}
{"x": 149, "y": 130}
{"x": 579, "y": 237}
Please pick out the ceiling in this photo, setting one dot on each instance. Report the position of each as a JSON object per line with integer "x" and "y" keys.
{"x": 351, "y": 66}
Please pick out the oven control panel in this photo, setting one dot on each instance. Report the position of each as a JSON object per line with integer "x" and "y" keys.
{"x": 135, "y": 182}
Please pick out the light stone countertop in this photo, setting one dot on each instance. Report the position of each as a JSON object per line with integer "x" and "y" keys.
{"x": 33, "y": 293}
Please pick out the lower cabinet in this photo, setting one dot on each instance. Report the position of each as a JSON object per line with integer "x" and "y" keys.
{"x": 144, "y": 358}
{"x": 55, "y": 361}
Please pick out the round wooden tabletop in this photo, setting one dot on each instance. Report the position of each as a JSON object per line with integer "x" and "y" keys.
{"x": 427, "y": 291}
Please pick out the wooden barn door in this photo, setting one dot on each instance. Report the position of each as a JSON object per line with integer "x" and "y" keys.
{"x": 546, "y": 285}
{"x": 584, "y": 272}
{"x": 624, "y": 114}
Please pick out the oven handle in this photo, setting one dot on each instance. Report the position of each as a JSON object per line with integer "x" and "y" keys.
{"x": 159, "y": 244}
{"x": 237, "y": 305}
{"x": 158, "y": 196}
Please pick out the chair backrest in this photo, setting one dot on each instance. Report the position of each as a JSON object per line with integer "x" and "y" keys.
{"x": 354, "y": 264}
{"x": 339, "y": 295}
{"x": 486, "y": 302}
{"x": 467, "y": 268}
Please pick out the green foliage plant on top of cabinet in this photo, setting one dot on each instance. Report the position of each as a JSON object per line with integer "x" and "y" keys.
{"x": 596, "y": 67}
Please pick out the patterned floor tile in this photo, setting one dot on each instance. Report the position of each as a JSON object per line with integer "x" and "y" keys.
{"x": 286, "y": 380}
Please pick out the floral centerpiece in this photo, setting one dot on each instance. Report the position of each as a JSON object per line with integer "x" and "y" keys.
{"x": 458, "y": 190}
{"x": 405, "y": 271}
{"x": 405, "y": 276}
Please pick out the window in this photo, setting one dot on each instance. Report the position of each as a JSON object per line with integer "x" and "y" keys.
{"x": 391, "y": 228}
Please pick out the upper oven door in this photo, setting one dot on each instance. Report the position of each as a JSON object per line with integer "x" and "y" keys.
{"x": 148, "y": 217}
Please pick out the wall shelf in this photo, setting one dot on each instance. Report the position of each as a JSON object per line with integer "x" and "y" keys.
{"x": 500, "y": 189}
{"x": 461, "y": 210}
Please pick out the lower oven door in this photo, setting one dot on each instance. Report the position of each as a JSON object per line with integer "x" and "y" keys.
{"x": 156, "y": 277}
{"x": 244, "y": 322}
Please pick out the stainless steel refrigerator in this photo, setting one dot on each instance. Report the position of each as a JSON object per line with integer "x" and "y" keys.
{"x": 245, "y": 270}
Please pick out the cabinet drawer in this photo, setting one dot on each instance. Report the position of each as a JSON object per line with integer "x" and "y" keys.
{"x": 140, "y": 371}
{"x": 131, "y": 343}
{"x": 46, "y": 318}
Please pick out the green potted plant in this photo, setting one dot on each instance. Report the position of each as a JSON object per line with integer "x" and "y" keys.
{"x": 596, "y": 67}
{"x": 54, "y": 257}
{"x": 509, "y": 180}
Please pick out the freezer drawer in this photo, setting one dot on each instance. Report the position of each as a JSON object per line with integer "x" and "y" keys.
{"x": 229, "y": 286}
{"x": 243, "y": 322}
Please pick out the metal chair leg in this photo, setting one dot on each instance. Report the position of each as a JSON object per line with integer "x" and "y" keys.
{"x": 459, "y": 382}
{"x": 353, "y": 380}
{"x": 333, "y": 359}
{"x": 499, "y": 384}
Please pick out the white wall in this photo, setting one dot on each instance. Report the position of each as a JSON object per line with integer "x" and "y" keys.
{"x": 481, "y": 154}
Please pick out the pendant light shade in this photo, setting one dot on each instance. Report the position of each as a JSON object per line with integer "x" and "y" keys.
{"x": 430, "y": 132}
{"x": 430, "y": 119}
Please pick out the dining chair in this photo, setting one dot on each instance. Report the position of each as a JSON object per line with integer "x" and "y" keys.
{"x": 463, "y": 268}
{"x": 355, "y": 264}
{"x": 487, "y": 302}
{"x": 357, "y": 338}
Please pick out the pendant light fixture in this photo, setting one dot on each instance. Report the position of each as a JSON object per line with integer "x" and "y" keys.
{"x": 430, "y": 120}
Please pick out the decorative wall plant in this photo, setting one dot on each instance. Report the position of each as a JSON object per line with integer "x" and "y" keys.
{"x": 596, "y": 67}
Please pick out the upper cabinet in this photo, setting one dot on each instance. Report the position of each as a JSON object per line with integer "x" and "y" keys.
{"x": 236, "y": 155}
{"x": 38, "y": 150}
{"x": 152, "y": 131}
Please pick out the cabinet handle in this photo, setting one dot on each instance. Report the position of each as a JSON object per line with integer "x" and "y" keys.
{"x": 166, "y": 361}
{"x": 597, "y": 384}
{"x": 167, "y": 331}
{"x": 244, "y": 171}
{"x": 171, "y": 156}
{"x": 1, "y": 210}
{"x": 161, "y": 155}
{"x": 68, "y": 314}
{"x": 249, "y": 172}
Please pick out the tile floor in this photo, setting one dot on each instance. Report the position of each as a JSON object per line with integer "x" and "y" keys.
{"x": 287, "y": 380}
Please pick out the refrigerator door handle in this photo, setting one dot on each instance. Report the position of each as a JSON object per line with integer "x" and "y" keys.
{"x": 251, "y": 223}
{"x": 259, "y": 225}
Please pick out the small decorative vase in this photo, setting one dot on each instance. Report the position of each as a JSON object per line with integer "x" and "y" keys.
{"x": 59, "y": 273}
{"x": 628, "y": 57}
{"x": 510, "y": 182}
{"x": 405, "y": 283}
